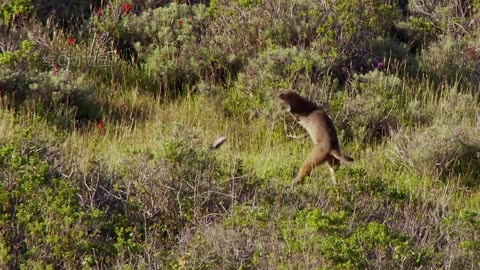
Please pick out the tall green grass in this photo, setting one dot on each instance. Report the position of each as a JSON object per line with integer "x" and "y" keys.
{"x": 148, "y": 191}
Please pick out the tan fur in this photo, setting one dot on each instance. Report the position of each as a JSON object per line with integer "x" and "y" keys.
{"x": 319, "y": 125}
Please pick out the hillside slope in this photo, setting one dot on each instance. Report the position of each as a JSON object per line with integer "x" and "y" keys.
{"x": 109, "y": 108}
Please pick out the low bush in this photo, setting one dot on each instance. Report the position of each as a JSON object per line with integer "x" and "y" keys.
{"x": 313, "y": 232}
{"x": 442, "y": 151}
{"x": 416, "y": 32}
{"x": 179, "y": 190}
{"x": 454, "y": 61}
{"x": 60, "y": 97}
{"x": 61, "y": 233}
{"x": 257, "y": 87}
{"x": 449, "y": 147}
{"x": 163, "y": 41}
{"x": 373, "y": 107}
{"x": 453, "y": 18}
{"x": 12, "y": 10}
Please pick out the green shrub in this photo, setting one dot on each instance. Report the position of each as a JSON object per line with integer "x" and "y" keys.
{"x": 165, "y": 39}
{"x": 454, "y": 61}
{"x": 68, "y": 13}
{"x": 358, "y": 187}
{"x": 58, "y": 95}
{"x": 180, "y": 188}
{"x": 453, "y": 18}
{"x": 417, "y": 32}
{"x": 372, "y": 111}
{"x": 441, "y": 151}
{"x": 62, "y": 90}
{"x": 370, "y": 245}
{"x": 384, "y": 54}
{"x": 350, "y": 26}
{"x": 13, "y": 87}
{"x": 337, "y": 31}
{"x": 263, "y": 78}
{"x": 43, "y": 221}
{"x": 25, "y": 57}
{"x": 463, "y": 226}
{"x": 12, "y": 9}
{"x": 313, "y": 233}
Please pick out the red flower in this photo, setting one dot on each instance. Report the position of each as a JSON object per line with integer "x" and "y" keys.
{"x": 71, "y": 41}
{"x": 180, "y": 23}
{"x": 470, "y": 50}
{"x": 55, "y": 69}
{"x": 101, "y": 127}
{"x": 127, "y": 7}
{"x": 100, "y": 11}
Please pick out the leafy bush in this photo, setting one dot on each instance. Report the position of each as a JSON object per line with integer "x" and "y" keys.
{"x": 60, "y": 233}
{"x": 362, "y": 189}
{"x": 165, "y": 39}
{"x": 452, "y": 60}
{"x": 13, "y": 87}
{"x": 441, "y": 151}
{"x": 69, "y": 14}
{"x": 454, "y": 18}
{"x": 417, "y": 32}
{"x": 313, "y": 232}
{"x": 179, "y": 190}
{"x": 372, "y": 110}
{"x": 470, "y": 224}
{"x": 12, "y": 9}
{"x": 282, "y": 68}
{"x": 59, "y": 94}
{"x": 25, "y": 57}
{"x": 384, "y": 54}
{"x": 372, "y": 244}
{"x": 350, "y": 26}
{"x": 447, "y": 148}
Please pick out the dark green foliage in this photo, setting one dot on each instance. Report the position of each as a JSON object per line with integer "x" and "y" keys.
{"x": 42, "y": 218}
{"x": 341, "y": 247}
{"x": 11, "y": 10}
{"x": 442, "y": 151}
{"x": 62, "y": 98}
{"x": 25, "y": 57}
{"x": 263, "y": 78}
{"x": 455, "y": 61}
{"x": 107, "y": 109}
{"x": 373, "y": 108}
{"x": 373, "y": 242}
{"x": 69, "y": 14}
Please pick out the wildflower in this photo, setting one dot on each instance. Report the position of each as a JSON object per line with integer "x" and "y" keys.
{"x": 126, "y": 8}
{"x": 55, "y": 69}
{"x": 100, "y": 11}
{"x": 470, "y": 50}
{"x": 467, "y": 193}
{"x": 101, "y": 125}
{"x": 71, "y": 41}
{"x": 378, "y": 62}
{"x": 180, "y": 23}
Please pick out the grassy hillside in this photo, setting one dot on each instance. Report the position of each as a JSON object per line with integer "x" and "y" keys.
{"x": 108, "y": 110}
